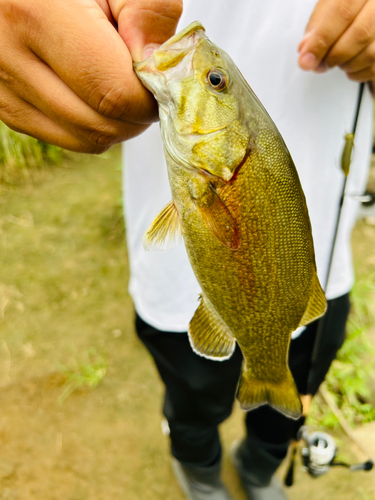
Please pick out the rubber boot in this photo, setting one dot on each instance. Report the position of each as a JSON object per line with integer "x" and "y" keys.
{"x": 256, "y": 468}
{"x": 200, "y": 483}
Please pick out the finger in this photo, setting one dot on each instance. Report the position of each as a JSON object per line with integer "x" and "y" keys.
{"x": 103, "y": 4}
{"x": 144, "y": 22}
{"x": 46, "y": 92}
{"x": 363, "y": 60}
{"x": 327, "y": 23}
{"x": 22, "y": 117}
{"x": 364, "y": 75}
{"x": 359, "y": 35}
{"x": 87, "y": 53}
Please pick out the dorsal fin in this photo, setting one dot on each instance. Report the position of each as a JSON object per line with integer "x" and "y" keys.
{"x": 209, "y": 336}
{"x": 165, "y": 232}
{"x": 317, "y": 304}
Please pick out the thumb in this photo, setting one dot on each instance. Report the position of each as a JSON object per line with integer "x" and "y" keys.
{"x": 145, "y": 22}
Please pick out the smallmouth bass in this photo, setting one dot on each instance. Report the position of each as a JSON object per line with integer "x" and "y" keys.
{"x": 239, "y": 206}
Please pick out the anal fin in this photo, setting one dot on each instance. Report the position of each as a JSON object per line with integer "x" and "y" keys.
{"x": 316, "y": 306}
{"x": 165, "y": 232}
{"x": 209, "y": 336}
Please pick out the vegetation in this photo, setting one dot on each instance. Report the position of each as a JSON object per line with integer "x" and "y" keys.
{"x": 22, "y": 157}
{"x": 85, "y": 375}
{"x": 350, "y": 379}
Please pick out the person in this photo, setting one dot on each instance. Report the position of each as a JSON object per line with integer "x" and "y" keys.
{"x": 66, "y": 77}
{"x": 313, "y": 113}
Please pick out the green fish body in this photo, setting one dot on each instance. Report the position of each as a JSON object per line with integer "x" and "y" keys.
{"x": 239, "y": 205}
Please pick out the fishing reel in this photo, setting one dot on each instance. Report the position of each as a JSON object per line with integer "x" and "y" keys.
{"x": 319, "y": 455}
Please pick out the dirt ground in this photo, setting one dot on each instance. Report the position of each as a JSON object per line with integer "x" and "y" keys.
{"x": 66, "y": 318}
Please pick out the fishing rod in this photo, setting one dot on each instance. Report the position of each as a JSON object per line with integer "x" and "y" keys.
{"x": 319, "y": 451}
{"x": 345, "y": 167}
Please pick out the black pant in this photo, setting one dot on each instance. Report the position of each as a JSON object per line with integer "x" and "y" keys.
{"x": 200, "y": 392}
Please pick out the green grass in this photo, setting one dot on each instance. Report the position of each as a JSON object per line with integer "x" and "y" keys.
{"x": 350, "y": 380}
{"x": 22, "y": 157}
{"x": 83, "y": 375}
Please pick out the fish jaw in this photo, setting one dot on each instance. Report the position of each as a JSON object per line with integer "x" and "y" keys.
{"x": 169, "y": 61}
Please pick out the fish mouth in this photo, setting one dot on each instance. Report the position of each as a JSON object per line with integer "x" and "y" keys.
{"x": 170, "y": 61}
{"x": 190, "y": 30}
{"x": 169, "y": 54}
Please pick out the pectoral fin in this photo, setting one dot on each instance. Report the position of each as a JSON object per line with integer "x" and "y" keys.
{"x": 165, "y": 232}
{"x": 317, "y": 304}
{"x": 217, "y": 217}
{"x": 209, "y": 336}
{"x": 215, "y": 214}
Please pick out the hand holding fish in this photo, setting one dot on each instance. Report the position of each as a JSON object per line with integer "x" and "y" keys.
{"x": 66, "y": 75}
{"x": 341, "y": 33}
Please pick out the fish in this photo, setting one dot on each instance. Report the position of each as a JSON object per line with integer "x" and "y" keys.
{"x": 239, "y": 207}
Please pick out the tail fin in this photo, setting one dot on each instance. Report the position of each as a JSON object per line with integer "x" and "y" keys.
{"x": 282, "y": 396}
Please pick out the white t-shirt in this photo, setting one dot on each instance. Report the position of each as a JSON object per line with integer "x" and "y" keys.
{"x": 313, "y": 113}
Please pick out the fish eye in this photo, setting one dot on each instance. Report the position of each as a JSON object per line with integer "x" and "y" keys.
{"x": 217, "y": 78}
